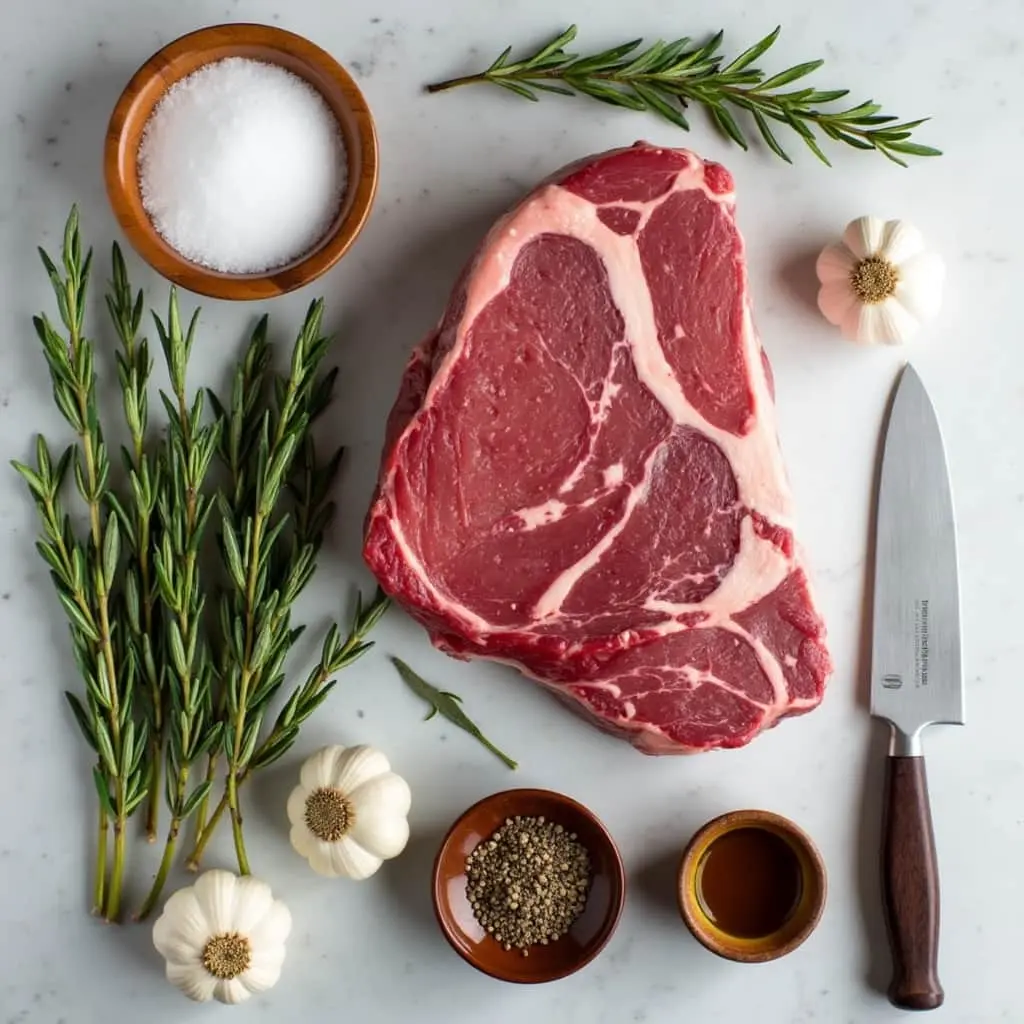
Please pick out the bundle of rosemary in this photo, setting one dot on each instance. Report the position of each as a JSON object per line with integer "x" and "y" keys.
{"x": 167, "y": 686}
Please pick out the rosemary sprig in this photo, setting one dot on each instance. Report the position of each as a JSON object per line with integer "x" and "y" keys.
{"x": 240, "y": 423}
{"x": 289, "y": 561}
{"x": 255, "y": 613}
{"x": 134, "y": 367}
{"x": 335, "y": 655}
{"x": 66, "y": 558}
{"x": 184, "y": 511}
{"x": 667, "y": 77}
{"x": 85, "y": 572}
{"x": 448, "y": 705}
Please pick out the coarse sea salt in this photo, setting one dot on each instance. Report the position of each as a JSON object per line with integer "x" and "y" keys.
{"x": 242, "y": 167}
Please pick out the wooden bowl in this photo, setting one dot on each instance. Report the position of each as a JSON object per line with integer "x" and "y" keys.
{"x": 589, "y": 933}
{"x": 179, "y": 59}
{"x": 801, "y": 922}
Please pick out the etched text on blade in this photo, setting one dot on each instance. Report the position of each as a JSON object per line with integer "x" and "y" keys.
{"x": 895, "y": 680}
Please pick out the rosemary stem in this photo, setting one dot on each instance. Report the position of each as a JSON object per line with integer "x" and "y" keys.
{"x": 452, "y": 83}
{"x": 236, "y": 826}
{"x": 231, "y": 784}
{"x": 99, "y": 888}
{"x": 99, "y": 884}
{"x": 165, "y": 866}
{"x": 155, "y": 775}
{"x": 169, "y": 846}
{"x": 205, "y": 834}
{"x": 204, "y": 804}
{"x": 156, "y": 739}
{"x": 113, "y": 903}
{"x": 102, "y": 597}
{"x": 113, "y": 907}
{"x": 113, "y": 896}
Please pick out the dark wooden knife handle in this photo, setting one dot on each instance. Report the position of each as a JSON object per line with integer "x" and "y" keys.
{"x": 910, "y": 886}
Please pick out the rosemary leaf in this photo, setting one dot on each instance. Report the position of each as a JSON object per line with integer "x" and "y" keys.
{"x": 499, "y": 61}
{"x": 605, "y": 57}
{"x": 913, "y": 149}
{"x": 748, "y": 56}
{"x": 599, "y": 90}
{"x": 559, "y": 90}
{"x": 518, "y": 88}
{"x": 660, "y": 103}
{"x": 791, "y": 75}
{"x": 82, "y": 718}
{"x": 727, "y": 123}
{"x": 772, "y": 142}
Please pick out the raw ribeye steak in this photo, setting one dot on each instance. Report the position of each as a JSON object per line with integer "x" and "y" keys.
{"x": 581, "y": 474}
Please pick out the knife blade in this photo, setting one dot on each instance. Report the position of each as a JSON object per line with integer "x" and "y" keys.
{"x": 916, "y": 675}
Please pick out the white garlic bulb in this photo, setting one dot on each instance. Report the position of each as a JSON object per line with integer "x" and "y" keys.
{"x": 349, "y": 812}
{"x": 223, "y": 938}
{"x": 880, "y": 283}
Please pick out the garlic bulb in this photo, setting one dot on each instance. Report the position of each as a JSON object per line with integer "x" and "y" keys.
{"x": 223, "y": 937}
{"x": 880, "y": 283}
{"x": 349, "y": 812}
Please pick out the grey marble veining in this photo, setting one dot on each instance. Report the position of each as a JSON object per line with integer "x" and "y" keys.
{"x": 370, "y": 952}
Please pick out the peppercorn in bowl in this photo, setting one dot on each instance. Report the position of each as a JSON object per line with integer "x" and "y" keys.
{"x": 528, "y": 886}
{"x": 241, "y": 161}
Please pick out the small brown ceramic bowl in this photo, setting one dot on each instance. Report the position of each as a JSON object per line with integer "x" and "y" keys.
{"x": 178, "y": 60}
{"x": 811, "y": 887}
{"x": 588, "y": 935}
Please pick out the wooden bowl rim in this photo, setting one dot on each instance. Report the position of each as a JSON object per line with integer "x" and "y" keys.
{"x": 361, "y": 188}
{"x": 812, "y": 864}
{"x": 617, "y": 885}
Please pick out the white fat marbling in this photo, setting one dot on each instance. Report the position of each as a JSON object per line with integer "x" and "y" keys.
{"x": 370, "y": 952}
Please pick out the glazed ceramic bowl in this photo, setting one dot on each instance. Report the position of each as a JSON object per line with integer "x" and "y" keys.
{"x": 179, "y": 59}
{"x": 588, "y": 935}
{"x": 803, "y": 919}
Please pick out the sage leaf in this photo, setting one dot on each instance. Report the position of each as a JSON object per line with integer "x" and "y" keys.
{"x": 447, "y": 704}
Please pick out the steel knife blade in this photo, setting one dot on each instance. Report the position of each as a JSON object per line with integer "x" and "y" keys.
{"x": 916, "y": 674}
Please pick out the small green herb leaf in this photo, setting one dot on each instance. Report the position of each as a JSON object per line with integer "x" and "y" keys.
{"x": 755, "y": 51}
{"x": 447, "y": 704}
{"x": 103, "y": 792}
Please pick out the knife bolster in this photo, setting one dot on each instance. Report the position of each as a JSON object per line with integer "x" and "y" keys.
{"x": 905, "y": 744}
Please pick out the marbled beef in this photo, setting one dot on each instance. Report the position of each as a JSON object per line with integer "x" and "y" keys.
{"x": 581, "y": 474}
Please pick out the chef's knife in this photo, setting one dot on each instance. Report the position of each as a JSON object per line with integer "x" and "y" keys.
{"x": 916, "y": 677}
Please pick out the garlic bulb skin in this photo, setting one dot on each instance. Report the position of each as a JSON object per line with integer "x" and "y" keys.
{"x": 223, "y": 937}
{"x": 880, "y": 283}
{"x": 349, "y": 812}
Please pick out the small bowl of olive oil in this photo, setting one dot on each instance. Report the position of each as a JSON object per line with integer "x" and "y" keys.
{"x": 752, "y": 886}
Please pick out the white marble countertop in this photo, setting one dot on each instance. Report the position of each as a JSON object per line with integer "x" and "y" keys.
{"x": 371, "y": 952}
